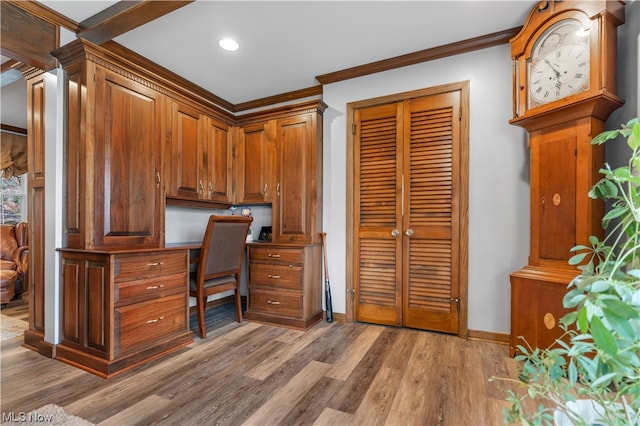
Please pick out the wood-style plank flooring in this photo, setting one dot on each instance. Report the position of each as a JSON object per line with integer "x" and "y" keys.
{"x": 255, "y": 374}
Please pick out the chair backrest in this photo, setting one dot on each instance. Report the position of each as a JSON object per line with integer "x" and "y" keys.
{"x": 223, "y": 245}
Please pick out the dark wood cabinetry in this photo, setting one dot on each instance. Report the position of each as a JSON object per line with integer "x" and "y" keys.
{"x": 200, "y": 156}
{"x": 122, "y": 308}
{"x": 295, "y": 133}
{"x": 285, "y": 279}
{"x": 135, "y": 143}
{"x": 253, "y": 166}
{"x": 113, "y": 170}
{"x": 285, "y": 284}
{"x": 186, "y": 163}
{"x": 218, "y": 155}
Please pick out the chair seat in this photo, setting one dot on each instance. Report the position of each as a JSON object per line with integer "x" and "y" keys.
{"x": 228, "y": 279}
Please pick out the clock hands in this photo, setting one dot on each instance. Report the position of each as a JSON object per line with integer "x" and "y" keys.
{"x": 553, "y": 68}
{"x": 557, "y": 73}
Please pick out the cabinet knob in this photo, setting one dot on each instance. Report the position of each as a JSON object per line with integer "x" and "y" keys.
{"x": 273, "y": 255}
{"x": 273, "y": 302}
{"x": 210, "y": 188}
{"x": 395, "y": 233}
{"x": 275, "y": 277}
{"x": 158, "y": 179}
{"x": 409, "y": 232}
{"x": 201, "y": 187}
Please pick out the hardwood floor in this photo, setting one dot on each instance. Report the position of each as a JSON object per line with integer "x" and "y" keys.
{"x": 255, "y": 374}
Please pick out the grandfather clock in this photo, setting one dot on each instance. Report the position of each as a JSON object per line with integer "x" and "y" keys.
{"x": 564, "y": 89}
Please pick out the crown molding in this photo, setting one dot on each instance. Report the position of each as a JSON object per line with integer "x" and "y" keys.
{"x": 464, "y": 46}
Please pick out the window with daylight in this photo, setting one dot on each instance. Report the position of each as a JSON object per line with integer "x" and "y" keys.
{"x": 14, "y": 199}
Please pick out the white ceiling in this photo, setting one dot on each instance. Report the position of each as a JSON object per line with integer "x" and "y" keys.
{"x": 284, "y": 45}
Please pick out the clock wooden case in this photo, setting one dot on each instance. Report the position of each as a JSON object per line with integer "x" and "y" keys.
{"x": 564, "y": 89}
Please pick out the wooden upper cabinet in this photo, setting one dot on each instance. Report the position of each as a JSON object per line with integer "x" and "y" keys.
{"x": 201, "y": 156}
{"x": 297, "y": 205}
{"x": 113, "y": 154}
{"x": 217, "y": 161}
{"x": 253, "y": 165}
{"x": 128, "y": 199}
{"x": 186, "y": 162}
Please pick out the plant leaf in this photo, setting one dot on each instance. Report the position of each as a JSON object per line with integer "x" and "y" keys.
{"x": 621, "y": 309}
{"x": 577, "y": 258}
{"x": 634, "y": 138}
{"x": 602, "y": 337}
{"x": 583, "y": 323}
{"x": 605, "y": 136}
{"x": 619, "y": 324}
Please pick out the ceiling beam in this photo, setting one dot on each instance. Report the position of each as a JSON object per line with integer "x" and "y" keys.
{"x": 125, "y": 16}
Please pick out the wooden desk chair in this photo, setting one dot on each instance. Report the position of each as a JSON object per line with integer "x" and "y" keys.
{"x": 220, "y": 263}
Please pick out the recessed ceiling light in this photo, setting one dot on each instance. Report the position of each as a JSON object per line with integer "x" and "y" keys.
{"x": 229, "y": 44}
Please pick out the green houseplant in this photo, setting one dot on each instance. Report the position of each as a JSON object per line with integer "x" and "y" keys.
{"x": 596, "y": 363}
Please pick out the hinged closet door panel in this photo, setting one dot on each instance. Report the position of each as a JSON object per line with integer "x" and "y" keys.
{"x": 378, "y": 183}
{"x": 431, "y": 231}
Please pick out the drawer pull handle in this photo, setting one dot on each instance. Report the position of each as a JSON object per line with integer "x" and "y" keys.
{"x": 273, "y": 302}
{"x": 154, "y": 287}
{"x": 273, "y": 255}
{"x": 275, "y": 277}
{"x": 154, "y": 320}
{"x": 155, "y": 264}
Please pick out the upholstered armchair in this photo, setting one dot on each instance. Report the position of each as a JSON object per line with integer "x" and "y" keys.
{"x": 14, "y": 250}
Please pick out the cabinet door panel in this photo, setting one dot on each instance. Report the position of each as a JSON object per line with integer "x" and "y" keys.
{"x": 185, "y": 134}
{"x": 255, "y": 151}
{"x": 128, "y": 147}
{"x": 295, "y": 174}
{"x": 218, "y": 153}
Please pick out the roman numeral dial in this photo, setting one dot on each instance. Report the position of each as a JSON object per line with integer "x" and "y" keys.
{"x": 562, "y": 72}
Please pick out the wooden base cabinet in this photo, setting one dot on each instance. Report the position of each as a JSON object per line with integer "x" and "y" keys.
{"x": 285, "y": 284}
{"x": 122, "y": 308}
{"x": 536, "y": 306}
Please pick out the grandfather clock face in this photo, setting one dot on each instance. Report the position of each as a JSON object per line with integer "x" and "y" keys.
{"x": 559, "y": 64}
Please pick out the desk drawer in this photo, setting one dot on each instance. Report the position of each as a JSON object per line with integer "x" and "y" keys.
{"x": 277, "y": 254}
{"x": 276, "y": 303}
{"x": 149, "y": 288}
{"x": 144, "y": 324}
{"x": 275, "y": 275}
{"x": 157, "y": 264}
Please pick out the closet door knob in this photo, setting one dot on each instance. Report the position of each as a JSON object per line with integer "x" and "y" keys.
{"x": 409, "y": 232}
{"x": 395, "y": 233}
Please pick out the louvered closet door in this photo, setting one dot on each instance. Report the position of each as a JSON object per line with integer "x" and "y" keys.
{"x": 431, "y": 228}
{"x": 378, "y": 247}
{"x": 406, "y": 227}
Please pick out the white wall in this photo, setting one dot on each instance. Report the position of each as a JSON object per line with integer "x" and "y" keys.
{"x": 184, "y": 225}
{"x": 498, "y": 175}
